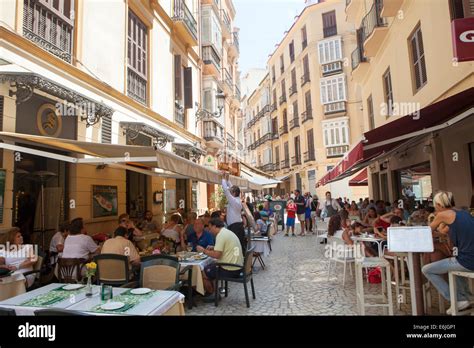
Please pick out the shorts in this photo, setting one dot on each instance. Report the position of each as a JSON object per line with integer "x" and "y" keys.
{"x": 211, "y": 272}
{"x": 301, "y": 217}
{"x": 307, "y": 214}
{"x": 314, "y": 214}
{"x": 290, "y": 222}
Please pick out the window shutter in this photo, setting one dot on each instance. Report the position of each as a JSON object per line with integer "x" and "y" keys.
{"x": 308, "y": 100}
{"x": 1, "y": 112}
{"x": 370, "y": 110}
{"x": 295, "y": 110}
{"x": 293, "y": 78}
{"x": 468, "y": 8}
{"x": 106, "y": 130}
{"x": 178, "y": 94}
{"x": 188, "y": 88}
{"x": 277, "y": 155}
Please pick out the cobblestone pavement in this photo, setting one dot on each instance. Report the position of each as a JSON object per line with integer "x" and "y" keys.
{"x": 293, "y": 283}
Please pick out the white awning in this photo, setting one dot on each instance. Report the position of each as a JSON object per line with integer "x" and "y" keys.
{"x": 156, "y": 161}
{"x": 259, "y": 180}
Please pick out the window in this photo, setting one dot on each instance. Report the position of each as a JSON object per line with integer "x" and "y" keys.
{"x": 297, "y": 148}
{"x": 295, "y": 110}
{"x": 293, "y": 81}
{"x": 307, "y": 98}
{"x": 106, "y": 130}
{"x": 50, "y": 24}
{"x": 330, "y": 50}
{"x": 267, "y": 156}
{"x": 306, "y": 66}
{"x": 277, "y": 154}
{"x": 336, "y": 132}
{"x": 310, "y": 143}
{"x": 292, "y": 51}
{"x": 273, "y": 74}
{"x": 275, "y": 125}
{"x": 304, "y": 38}
{"x": 462, "y": 9}
{"x": 329, "y": 24}
{"x": 283, "y": 88}
{"x": 282, "y": 64}
{"x": 137, "y": 59}
{"x": 285, "y": 119}
{"x": 370, "y": 110}
{"x": 274, "y": 96}
{"x": 211, "y": 29}
{"x": 418, "y": 60}
{"x": 287, "y": 151}
{"x": 333, "y": 89}
{"x": 388, "y": 92}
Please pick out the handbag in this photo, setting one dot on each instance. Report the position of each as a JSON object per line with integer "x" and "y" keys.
{"x": 375, "y": 276}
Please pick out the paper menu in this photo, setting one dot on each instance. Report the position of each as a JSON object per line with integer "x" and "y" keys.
{"x": 416, "y": 239}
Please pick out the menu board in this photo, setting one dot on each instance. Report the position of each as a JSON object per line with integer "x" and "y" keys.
{"x": 416, "y": 239}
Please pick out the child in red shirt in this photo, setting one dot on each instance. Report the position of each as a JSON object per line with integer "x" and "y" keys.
{"x": 290, "y": 220}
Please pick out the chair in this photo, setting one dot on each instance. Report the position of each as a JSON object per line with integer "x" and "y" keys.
{"x": 244, "y": 277}
{"x": 402, "y": 284}
{"x": 56, "y": 312}
{"x": 340, "y": 252}
{"x": 453, "y": 291}
{"x": 112, "y": 269}
{"x": 7, "y": 312}
{"x": 373, "y": 262}
{"x": 321, "y": 231}
{"x": 269, "y": 235}
{"x": 162, "y": 272}
{"x": 69, "y": 270}
{"x": 37, "y": 268}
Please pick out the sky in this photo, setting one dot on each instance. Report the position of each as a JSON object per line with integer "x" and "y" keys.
{"x": 262, "y": 25}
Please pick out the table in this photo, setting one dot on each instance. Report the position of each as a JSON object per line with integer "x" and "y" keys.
{"x": 261, "y": 245}
{"x": 370, "y": 239}
{"x": 144, "y": 241}
{"x": 12, "y": 286}
{"x": 157, "y": 303}
{"x": 198, "y": 267}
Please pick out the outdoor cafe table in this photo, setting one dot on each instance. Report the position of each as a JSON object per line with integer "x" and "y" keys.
{"x": 12, "y": 285}
{"x": 261, "y": 245}
{"x": 51, "y": 296}
{"x": 370, "y": 239}
{"x": 198, "y": 267}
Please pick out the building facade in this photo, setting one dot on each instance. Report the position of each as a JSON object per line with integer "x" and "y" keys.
{"x": 116, "y": 74}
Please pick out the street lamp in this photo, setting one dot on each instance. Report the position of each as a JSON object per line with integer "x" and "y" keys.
{"x": 203, "y": 113}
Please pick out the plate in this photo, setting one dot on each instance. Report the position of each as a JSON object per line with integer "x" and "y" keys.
{"x": 140, "y": 291}
{"x": 111, "y": 306}
{"x": 71, "y": 287}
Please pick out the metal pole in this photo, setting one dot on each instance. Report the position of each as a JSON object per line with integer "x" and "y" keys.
{"x": 42, "y": 213}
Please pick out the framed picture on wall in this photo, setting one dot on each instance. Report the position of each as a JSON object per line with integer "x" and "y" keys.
{"x": 104, "y": 201}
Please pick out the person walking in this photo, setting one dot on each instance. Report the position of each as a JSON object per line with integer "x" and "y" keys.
{"x": 300, "y": 210}
{"x": 234, "y": 210}
{"x": 291, "y": 216}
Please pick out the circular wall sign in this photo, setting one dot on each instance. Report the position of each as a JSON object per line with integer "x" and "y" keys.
{"x": 48, "y": 120}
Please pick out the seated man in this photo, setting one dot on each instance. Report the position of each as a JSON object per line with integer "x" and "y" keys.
{"x": 227, "y": 250}
{"x": 78, "y": 245}
{"x": 200, "y": 236}
{"x": 56, "y": 246}
{"x": 148, "y": 224}
{"x": 124, "y": 221}
{"x": 120, "y": 245}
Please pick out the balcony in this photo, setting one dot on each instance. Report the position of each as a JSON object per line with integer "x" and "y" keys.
{"x": 212, "y": 61}
{"x": 136, "y": 86}
{"x": 184, "y": 23}
{"x": 273, "y": 107}
{"x": 330, "y": 31}
{"x": 282, "y": 99}
{"x": 285, "y": 164}
{"x": 307, "y": 115}
{"x": 240, "y": 147}
{"x": 233, "y": 50}
{"x": 268, "y": 168}
{"x": 336, "y": 151}
{"x": 230, "y": 142}
{"x": 374, "y": 29}
{"x": 295, "y": 160}
{"x": 226, "y": 26}
{"x": 179, "y": 115}
{"x": 391, "y": 7}
{"x": 57, "y": 39}
{"x": 294, "y": 123}
{"x": 305, "y": 79}
{"x": 213, "y": 134}
{"x": 283, "y": 130}
{"x": 334, "y": 108}
{"x": 275, "y": 134}
{"x": 265, "y": 138}
{"x": 309, "y": 156}
{"x": 293, "y": 90}
{"x": 237, "y": 94}
{"x": 331, "y": 68}
{"x": 352, "y": 8}
{"x": 227, "y": 82}
{"x": 276, "y": 166}
{"x": 360, "y": 66}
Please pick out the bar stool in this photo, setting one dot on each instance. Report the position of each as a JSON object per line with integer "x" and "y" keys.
{"x": 373, "y": 262}
{"x": 453, "y": 291}
{"x": 402, "y": 284}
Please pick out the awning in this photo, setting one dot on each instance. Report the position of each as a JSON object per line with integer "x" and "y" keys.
{"x": 360, "y": 179}
{"x": 97, "y": 153}
{"x": 258, "y": 182}
{"x": 379, "y": 141}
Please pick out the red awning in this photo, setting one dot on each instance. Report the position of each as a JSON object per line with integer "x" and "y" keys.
{"x": 360, "y": 179}
{"x": 381, "y": 140}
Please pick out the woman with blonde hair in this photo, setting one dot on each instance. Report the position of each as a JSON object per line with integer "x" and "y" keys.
{"x": 17, "y": 256}
{"x": 461, "y": 234}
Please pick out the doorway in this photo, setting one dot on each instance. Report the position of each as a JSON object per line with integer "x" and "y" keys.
{"x": 137, "y": 188}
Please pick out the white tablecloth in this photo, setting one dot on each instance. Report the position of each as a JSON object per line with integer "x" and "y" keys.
{"x": 198, "y": 267}
{"x": 261, "y": 246}
{"x": 159, "y": 304}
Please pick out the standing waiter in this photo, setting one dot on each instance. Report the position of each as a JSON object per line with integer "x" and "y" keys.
{"x": 234, "y": 210}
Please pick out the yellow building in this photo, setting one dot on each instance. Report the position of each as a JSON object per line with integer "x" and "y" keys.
{"x": 305, "y": 114}
{"x": 417, "y": 98}
{"x": 81, "y": 83}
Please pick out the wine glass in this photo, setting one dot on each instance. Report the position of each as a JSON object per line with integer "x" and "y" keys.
{"x": 189, "y": 247}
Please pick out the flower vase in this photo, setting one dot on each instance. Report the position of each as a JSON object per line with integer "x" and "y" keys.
{"x": 89, "y": 286}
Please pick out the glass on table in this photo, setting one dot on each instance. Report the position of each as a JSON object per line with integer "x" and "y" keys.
{"x": 189, "y": 247}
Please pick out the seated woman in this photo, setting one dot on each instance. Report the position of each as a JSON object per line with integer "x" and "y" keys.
{"x": 354, "y": 212}
{"x": 174, "y": 231}
{"x": 262, "y": 227}
{"x": 443, "y": 248}
{"x": 370, "y": 218}
{"x": 17, "y": 256}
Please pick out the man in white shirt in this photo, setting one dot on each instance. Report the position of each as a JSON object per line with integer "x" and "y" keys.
{"x": 56, "y": 246}
{"x": 234, "y": 210}
{"x": 330, "y": 207}
{"x": 78, "y": 245}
